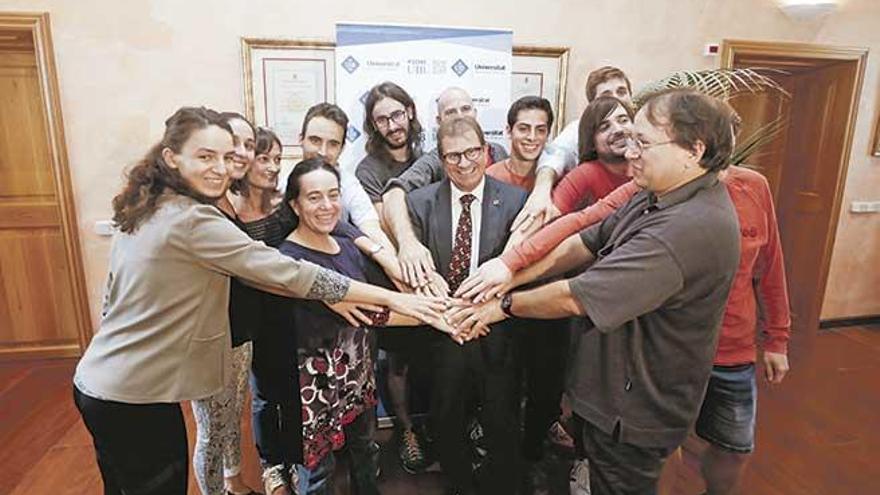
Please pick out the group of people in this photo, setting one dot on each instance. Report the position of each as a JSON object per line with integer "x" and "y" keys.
{"x": 615, "y": 280}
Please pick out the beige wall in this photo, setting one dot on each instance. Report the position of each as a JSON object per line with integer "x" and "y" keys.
{"x": 125, "y": 66}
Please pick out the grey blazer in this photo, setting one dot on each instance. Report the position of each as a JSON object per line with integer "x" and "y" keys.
{"x": 164, "y": 332}
{"x": 430, "y": 211}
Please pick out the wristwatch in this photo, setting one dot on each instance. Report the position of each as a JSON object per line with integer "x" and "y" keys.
{"x": 506, "y": 302}
{"x": 375, "y": 249}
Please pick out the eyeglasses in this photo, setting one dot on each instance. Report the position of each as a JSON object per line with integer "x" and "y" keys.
{"x": 454, "y": 157}
{"x": 640, "y": 146}
{"x": 398, "y": 116}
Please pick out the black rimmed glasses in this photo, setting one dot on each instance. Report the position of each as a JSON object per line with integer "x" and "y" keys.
{"x": 454, "y": 157}
{"x": 397, "y": 116}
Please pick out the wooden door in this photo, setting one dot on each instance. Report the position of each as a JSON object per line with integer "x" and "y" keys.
{"x": 759, "y": 109}
{"x": 42, "y": 310}
{"x": 806, "y": 164}
{"x": 811, "y": 171}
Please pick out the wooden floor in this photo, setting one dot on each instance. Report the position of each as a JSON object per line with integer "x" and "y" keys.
{"x": 818, "y": 433}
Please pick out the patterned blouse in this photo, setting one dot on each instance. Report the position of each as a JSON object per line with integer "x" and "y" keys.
{"x": 334, "y": 359}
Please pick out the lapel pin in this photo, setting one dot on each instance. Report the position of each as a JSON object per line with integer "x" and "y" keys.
{"x": 496, "y": 202}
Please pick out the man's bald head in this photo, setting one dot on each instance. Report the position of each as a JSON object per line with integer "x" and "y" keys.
{"x": 455, "y": 102}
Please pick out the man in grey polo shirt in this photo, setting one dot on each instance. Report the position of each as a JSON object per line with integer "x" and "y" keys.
{"x": 653, "y": 296}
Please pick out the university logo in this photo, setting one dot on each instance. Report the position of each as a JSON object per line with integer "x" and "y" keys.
{"x": 459, "y": 67}
{"x": 352, "y": 134}
{"x": 363, "y": 98}
{"x": 417, "y": 66}
{"x": 350, "y": 64}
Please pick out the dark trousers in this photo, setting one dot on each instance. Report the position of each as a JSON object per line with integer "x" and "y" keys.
{"x": 277, "y": 424}
{"x": 361, "y": 451}
{"x": 490, "y": 374}
{"x": 618, "y": 468}
{"x": 542, "y": 348}
{"x": 141, "y": 448}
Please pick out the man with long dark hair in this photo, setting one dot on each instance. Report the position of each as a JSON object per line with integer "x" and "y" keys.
{"x": 394, "y": 142}
{"x": 562, "y": 154}
{"x": 394, "y": 138}
{"x": 602, "y": 133}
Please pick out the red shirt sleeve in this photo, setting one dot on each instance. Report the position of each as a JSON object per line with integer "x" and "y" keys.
{"x": 543, "y": 241}
{"x": 771, "y": 288}
{"x": 571, "y": 190}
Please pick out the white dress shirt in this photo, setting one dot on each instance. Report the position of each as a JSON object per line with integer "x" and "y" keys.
{"x": 476, "y": 218}
{"x": 562, "y": 154}
{"x": 354, "y": 199}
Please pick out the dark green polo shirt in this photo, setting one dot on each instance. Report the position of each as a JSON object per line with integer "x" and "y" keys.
{"x": 656, "y": 294}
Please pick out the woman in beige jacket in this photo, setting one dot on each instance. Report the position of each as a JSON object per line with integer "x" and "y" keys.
{"x": 164, "y": 332}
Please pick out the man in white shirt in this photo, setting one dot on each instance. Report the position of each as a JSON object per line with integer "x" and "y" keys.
{"x": 323, "y": 133}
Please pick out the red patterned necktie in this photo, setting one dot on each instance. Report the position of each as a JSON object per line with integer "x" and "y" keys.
{"x": 460, "y": 264}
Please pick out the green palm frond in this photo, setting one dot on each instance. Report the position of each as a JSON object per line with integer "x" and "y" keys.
{"x": 720, "y": 83}
{"x": 725, "y": 84}
{"x": 747, "y": 147}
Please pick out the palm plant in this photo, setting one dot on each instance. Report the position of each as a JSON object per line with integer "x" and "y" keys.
{"x": 725, "y": 84}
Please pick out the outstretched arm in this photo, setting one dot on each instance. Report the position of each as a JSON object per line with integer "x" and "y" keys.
{"x": 416, "y": 263}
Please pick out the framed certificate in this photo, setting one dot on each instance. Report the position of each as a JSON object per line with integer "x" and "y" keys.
{"x": 282, "y": 80}
{"x": 541, "y": 71}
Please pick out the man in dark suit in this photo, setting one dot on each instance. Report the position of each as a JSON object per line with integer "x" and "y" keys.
{"x": 465, "y": 220}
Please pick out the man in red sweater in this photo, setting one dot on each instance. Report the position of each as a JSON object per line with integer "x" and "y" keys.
{"x": 603, "y": 128}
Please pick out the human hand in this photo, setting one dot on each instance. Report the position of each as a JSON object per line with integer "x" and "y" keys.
{"x": 492, "y": 278}
{"x": 415, "y": 262}
{"x": 422, "y": 308}
{"x": 440, "y": 324}
{"x": 354, "y": 312}
{"x": 775, "y": 366}
{"x": 473, "y": 320}
{"x": 436, "y": 286}
{"x": 391, "y": 266}
{"x": 537, "y": 211}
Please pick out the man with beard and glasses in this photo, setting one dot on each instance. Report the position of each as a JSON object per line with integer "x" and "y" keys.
{"x": 394, "y": 142}
{"x": 394, "y": 138}
{"x": 603, "y": 128}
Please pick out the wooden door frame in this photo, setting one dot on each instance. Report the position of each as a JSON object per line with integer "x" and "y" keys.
{"x": 731, "y": 48}
{"x": 37, "y": 23}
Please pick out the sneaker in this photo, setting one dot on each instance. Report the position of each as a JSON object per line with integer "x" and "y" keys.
{"x": 579, "y": 478}
{"x": 412, "y": 456}
{"x": 274, "y": 482}
{"x": 559, "y": 437}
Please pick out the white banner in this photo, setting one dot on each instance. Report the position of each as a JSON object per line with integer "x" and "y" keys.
{"x": 424, "y": 61}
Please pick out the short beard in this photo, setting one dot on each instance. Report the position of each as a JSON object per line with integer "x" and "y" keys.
{"x": 392, "y": 146}
{"x": 611, "y": 159}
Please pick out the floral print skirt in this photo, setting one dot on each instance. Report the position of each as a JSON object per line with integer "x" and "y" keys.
{"x": 336, "y": 385}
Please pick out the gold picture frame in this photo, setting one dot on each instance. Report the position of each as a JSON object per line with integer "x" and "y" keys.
{"x": 541, "y": 71}
{"x": 282, "y": 80}
{"x": 875, "y": 150}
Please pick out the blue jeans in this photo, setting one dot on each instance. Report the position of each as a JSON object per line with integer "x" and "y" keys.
{"x": 318, "y": 481}
{"x": 727, "y": 417}
{"x": 361, "y": 452}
